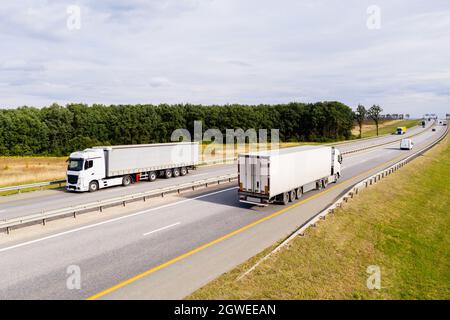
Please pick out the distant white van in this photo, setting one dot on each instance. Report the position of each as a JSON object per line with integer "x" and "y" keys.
{"x": 406, "y": 144}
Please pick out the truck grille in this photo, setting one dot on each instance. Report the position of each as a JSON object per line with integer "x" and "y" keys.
{"x": 72, "y": 179}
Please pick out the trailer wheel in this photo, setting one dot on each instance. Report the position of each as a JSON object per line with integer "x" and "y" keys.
{"x": 336, "y": 177}
{"x": 285, "y": 198}
{"x": 168, "y": 174}
{"x": 126, "y": 181}
{"x": 152, "y": 176}
{"x": 299, "y": 193}
{"x": 176, "y": 172}
{"x": 325, "y": 183}
{"x": 319, "y": 185}
{"x": 292, "y": 195}
{"x": 183, "y": 171}
{"x": 93, "y": 186}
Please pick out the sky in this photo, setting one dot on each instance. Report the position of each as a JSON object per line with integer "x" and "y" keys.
{"x": 392, "y": 53}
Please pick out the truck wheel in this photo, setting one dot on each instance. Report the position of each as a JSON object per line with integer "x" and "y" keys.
{"x": 324, "y": 184}
{"x": 336, "y": 177}
{"x": 292, "y": 196}
{"x": 176, "y": 172}
{"x": 168, "y": 174}
{"x": 319, "y": 185}
{"x": 285, "y": 198}
{"x": 126, "y": 181}
{"x": 183, "y": 171}
{"x": 93, "y": 186}
{"x": 152, "y": 176}
{"x": 299, "y": 193}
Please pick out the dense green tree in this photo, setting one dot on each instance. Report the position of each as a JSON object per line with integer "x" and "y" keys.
{"x": 57, "y": 130}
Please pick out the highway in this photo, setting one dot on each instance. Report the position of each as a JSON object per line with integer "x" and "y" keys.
{"x": 39, "y": 201}
{"x": 168, "y": 249}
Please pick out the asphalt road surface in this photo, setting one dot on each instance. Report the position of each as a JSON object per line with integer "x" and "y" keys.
{"x": 168, "y": 251}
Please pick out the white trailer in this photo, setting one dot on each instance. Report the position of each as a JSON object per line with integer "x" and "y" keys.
{"x": 284, "y": 175}
{"x": 102, "y": 167}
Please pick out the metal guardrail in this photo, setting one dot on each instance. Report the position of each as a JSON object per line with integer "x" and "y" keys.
{"x": 349, "y": 194}
{"x": 101, "y": 204}
{"x": 32, "y": 185}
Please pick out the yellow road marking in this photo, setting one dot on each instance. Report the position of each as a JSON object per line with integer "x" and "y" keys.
{"x": 209, "y": 244}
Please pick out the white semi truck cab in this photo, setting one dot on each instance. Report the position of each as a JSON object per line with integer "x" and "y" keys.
{"x": 83, "y": 168}
{"x": 102, "y": 167}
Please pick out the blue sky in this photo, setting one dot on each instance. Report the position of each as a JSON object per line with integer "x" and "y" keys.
{"x": 227, "y": 51}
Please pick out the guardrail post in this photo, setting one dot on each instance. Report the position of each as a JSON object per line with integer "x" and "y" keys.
{"x": 43, "y": 222}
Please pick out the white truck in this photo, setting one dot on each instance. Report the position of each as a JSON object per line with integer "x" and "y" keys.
{"x": 101, "y": 167}
{"x": 406, "y": 144}
{"x": 283, "y": 175}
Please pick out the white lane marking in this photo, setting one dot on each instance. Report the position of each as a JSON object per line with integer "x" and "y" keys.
{"x": 161, "y": 229}
{"x": 112, "y": 220}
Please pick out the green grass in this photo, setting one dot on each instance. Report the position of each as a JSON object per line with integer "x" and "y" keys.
{"x": 390, "y": 128}
{"x": 402, "y": 225}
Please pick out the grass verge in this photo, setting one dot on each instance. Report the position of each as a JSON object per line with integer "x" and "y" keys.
{"x": 401, "y": 225}
{"x": 389, "y": 127}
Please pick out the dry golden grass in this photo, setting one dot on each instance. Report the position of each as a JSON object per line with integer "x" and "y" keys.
{"x": 23, "y": 170}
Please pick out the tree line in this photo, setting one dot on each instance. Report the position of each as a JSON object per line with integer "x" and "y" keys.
{"x": 59, "y": 130}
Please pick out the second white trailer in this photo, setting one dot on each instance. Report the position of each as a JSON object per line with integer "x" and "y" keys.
{"x": 283, "y": 175}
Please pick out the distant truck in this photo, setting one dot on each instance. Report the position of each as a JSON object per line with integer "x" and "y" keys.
{"x": 101, "y": 167}
{"x": 406, "y": 144}
{"x": 284, "y": 175}
{"x": 423, "y": 124}
{"x": 401, "y": 130}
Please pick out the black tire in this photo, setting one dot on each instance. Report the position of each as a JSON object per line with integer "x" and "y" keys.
{"x": 299, "y": 193}
{"x": 93, "y": 186}
{"x": 319, "y": 185}
{"x": 292, "y": 196}
{"x": 152, "y": 176}
{"x": 325, "y": 183}
{"x": 126, "y": 181}
{"x": 176, "y": 172}
{"x": 285, "y": 198}
{"x": 184, "y": 171}
{"x": 168, "y": 174}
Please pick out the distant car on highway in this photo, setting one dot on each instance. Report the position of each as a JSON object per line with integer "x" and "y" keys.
{"x": 406, "y": 144}
{"x": 434, "y": 129}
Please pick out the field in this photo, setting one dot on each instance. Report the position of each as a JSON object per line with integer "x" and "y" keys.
{"x": 401, "y": 225}
{"x": 387, "y": 127}
{"x": 22, "y": 170}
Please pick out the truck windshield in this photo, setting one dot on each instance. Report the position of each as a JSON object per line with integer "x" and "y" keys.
{"x": 75, "y": 165}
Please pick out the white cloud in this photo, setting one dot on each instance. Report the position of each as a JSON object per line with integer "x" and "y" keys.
{"x": 227, "y": 51}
